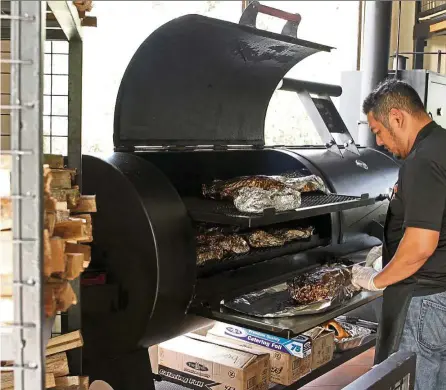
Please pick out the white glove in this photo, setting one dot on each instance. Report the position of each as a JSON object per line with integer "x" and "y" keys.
{"x": 362, "y": 277}
{"x": 374, "y": 254}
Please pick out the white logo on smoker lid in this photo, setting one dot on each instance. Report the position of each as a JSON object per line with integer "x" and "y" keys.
{"x": 361, "y": 164}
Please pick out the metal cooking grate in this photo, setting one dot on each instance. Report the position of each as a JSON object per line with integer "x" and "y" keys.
{"x": 212, "y": 211}
{"x": 261, "y": 254}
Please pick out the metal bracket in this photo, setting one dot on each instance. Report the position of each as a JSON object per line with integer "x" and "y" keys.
{"x": 328, "y": 121}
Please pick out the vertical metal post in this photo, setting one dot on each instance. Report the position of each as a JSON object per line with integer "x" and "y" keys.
{"x": 73, "y": 320}
{"x": 27, "y": 42}
{"x": 418, "y": 44}
{"x": 439, "y": 62}
{"x": 375, "y": 57}
{"x": 75, "y": 107}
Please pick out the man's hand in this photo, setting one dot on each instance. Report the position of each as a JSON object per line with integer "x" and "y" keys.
{"x": 362, "y": 277}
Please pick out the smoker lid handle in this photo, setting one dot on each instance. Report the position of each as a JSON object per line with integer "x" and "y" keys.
{"x": 249, "y": 17}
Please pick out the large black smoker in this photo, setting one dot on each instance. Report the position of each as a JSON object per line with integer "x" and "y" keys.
{"x": 191, "y": 108}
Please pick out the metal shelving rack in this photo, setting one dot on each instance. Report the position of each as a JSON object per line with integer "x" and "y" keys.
{"x": 27, "y": 24}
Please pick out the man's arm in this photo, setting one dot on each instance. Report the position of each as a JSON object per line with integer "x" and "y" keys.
{"x": 415, "y": 248}
{"x": 424, "y": 197}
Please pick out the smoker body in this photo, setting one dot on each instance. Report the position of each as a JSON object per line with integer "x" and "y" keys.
{"x": 178, "y": 125}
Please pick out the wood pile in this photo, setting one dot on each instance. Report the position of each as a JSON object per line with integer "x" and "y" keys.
{"x": 68, "y": 230}
{"x": 57, "y": 373}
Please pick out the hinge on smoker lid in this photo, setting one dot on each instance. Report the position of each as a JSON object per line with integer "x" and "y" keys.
{"x": 180, "y": 148}
{"x": 124, "y": 149}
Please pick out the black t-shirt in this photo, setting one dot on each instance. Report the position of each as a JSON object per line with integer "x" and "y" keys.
{"x": 420, "y": 201}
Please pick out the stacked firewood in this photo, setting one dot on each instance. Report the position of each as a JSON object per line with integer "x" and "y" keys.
{"x": 68, "y": 230}
{"x": 57, "y": 373}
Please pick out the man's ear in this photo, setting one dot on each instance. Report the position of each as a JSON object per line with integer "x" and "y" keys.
{"x": 396, "y": 118}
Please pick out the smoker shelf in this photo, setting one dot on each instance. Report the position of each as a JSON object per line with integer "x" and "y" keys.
{"x": 289, "y": 327}
{"x": 261, "y": 254}
{"x": 224, "y": 212}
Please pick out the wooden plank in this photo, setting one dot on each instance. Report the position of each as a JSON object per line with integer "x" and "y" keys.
{"x": 437, "y": 27}
{"x": 86, "y": 204}
{"x": 57, "y": 364}
{"x": 64, "y": 343}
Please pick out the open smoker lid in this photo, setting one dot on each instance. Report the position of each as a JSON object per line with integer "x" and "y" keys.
{"x": 202, "y": 81}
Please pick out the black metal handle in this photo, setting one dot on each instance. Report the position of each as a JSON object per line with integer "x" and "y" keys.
{"x": 249, "y": 17}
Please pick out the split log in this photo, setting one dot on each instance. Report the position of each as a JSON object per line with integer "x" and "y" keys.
{"x": 64, "y": 343}
{"x": 57, "y": 255}
{"x": 64, "y": 296}
{"x": 79, "y": 248}
{"x": 7, "y": 380}
{"x": 86, "y": 204}
{"x": 87, "y": 228}
{"x": 62, "y": 178}
{"x": 74, "y": 265}
{"x": 47, "y": 178}
{"x": 49, "y": 221}
{"x": 57, "y": 364}
{"x": 72, "y": 382}
{"x": 54, "y": 160}
{"x": 49, "y": 300}
{"x": 69, "y": 195}
{"x": 5, "y": 213}
{"x": 6, "y": 286}
{"x": 47, "y": 254}
{"x": 72, "y": 229}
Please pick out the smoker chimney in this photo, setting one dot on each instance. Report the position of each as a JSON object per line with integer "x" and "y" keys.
{"x": 375, "y": 57}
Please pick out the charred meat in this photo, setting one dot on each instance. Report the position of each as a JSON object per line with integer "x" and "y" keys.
{"x": 324, "y": 283}
{"x": 211, "y": 252}
{"x": 262, "y": 239}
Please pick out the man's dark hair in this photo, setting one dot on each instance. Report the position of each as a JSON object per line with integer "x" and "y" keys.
{"x": 392, "y": 93}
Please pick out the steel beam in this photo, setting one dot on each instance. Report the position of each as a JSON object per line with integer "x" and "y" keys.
{"x": 66, "y": 15}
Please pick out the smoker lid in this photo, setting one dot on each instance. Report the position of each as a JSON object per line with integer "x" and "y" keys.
{"x": 202, "y": 81}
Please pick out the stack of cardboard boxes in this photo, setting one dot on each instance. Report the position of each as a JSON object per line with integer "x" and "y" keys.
{"x": 236, "y": 358}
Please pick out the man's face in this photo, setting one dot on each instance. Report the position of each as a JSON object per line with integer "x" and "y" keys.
{"x": 389, "y": 138}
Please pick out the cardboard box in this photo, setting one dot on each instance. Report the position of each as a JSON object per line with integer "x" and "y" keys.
{"x": 323, "y": 346}
{"x": 290, "y": 359}
{"x": 196, "y": 362}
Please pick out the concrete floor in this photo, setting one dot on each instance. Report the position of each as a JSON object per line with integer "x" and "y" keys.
{"x": 345, "y": 374}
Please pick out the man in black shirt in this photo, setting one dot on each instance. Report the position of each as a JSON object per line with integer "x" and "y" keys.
{"x": 414, "y": 244}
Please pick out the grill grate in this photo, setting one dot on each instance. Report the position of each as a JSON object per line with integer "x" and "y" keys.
{"x": 256, "y": 255}
{"x": 224, "y": 212}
